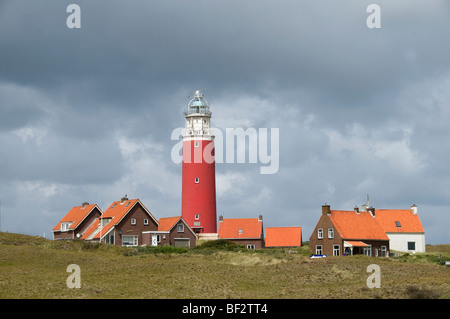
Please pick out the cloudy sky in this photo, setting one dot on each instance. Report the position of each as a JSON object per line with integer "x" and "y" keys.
{"x": 87, "y": 114}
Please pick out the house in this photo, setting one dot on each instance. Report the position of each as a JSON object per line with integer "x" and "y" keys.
{"x": 242, "y": 231}
{"x": 173, "y": 231}
{"x": 349, "y": 232}
{"x": 403, "y": 227}
{"x": 283, "y": 237}
{"x": 123, "y": 224}
{"x": 76, "y": 221}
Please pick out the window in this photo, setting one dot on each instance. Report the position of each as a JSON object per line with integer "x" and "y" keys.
{"x": 146, "y": 221}
{"x": 65, "y": 226}
{"x": 336, "y": 250}
{"x": 129, "y": 240}
{"x": 319, "y": 250}
{"x": 320, "y": 233}
{"x": 330, "y": 233}
{"x": 411, "y": 245}
{"x": 113, "y": 205}
{"x": 249, "y": 246}
{"x": 397, "y": 223}
{"x": 197, "y": 216}
{"x": 180, "y": 228}
{"x": 240, "y": 231}
{"x": 368, "y": 251}
{"x": 383, "y": 251}
{"x": 197, "y": 180}
{"x": 196, "y": 144}
{"x": 127, "y": 204}
{"x": 133, "y": 221}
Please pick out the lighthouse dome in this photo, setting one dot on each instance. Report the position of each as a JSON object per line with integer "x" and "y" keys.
{"x": 198, "y": 104}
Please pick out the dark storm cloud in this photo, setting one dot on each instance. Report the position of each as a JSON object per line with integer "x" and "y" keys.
{"x": 88, "y": 113}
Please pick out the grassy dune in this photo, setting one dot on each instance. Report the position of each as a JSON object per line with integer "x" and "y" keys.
{"x": 33, "y": 267}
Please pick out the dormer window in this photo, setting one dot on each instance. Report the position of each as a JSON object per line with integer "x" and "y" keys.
{"x": 65, "y": 226}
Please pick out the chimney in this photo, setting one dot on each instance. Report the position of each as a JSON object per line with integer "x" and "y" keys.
{"x": 414, "y": 209}
{"x": 260, "y": 218}
{"x": 220, "y": 218}
{"x": 326, "y": 209}
{"x": 356, "y": 209}
{"x": 124, "y": 198}
{"x": 84, "y": 204}
{"x": 372, "y": 211}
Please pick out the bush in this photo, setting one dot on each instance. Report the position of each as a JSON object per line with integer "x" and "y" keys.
{"x": 415, "y": 292}
{"x": 166, "y": 249}
{"x": 221, "y": 245}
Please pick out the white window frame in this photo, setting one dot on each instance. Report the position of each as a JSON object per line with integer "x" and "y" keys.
{"x": 196, "y": 144}
{"x": 197, "y": 180}
{"x": 180, "y": 228}
{"x": 65, "y": 226}
{"x": 250, "y": 246}
{"x": 134, "y": 241}
{"x": 368, "y": 251}
{"x": 336, "y": 250}
{"x": 383, "y": 251}
{"x": 320, "y": 233}
{"x": 330, "y": 233}
{"x": 146, "y": 221}
{"x": 133, "y": 221}
{"x": 319, "y": 250}
{"x": 197, "y": 216}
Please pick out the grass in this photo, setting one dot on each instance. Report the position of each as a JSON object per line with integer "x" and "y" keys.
{"x": 33, "y": 267}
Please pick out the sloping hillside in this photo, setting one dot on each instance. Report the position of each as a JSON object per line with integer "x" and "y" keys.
{"x": 33, "y": 267}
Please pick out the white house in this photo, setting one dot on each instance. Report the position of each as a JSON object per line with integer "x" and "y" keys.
{"x": 403, "y": 227}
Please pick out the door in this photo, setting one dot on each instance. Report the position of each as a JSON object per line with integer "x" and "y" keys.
{"x": 154, "y": 240}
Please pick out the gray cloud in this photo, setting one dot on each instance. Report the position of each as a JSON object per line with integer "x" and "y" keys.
{"x": 87, "y": 114}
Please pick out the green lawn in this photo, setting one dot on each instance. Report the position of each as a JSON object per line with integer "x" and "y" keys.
{"x": 32, "y": 267}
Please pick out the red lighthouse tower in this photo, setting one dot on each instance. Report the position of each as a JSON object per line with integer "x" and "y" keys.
{"x": 198, "y": 198}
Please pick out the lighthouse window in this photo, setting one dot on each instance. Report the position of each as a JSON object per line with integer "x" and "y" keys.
{"x": 196, "y": 144}
{"x": 197, "y": 216}
{"x": 197, "y": 180}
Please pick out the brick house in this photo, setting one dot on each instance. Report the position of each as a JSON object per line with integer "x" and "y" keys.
{"x": 283, "y": 237}
{"x": 173, "y": 231}
{"x": 75, "y": 223}
{"x": 242, "y": 231}
{"x": 123, "y": 224}
{"x": 348, "y": 232}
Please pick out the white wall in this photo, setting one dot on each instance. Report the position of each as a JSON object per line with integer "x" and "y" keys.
{"x": 399, "y": 242}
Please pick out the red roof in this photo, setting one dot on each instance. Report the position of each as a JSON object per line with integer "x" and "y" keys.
{"x": 166, "y": 223}
{"x": 362, "y": 225}
{"x": 116, "y": 212}
{"x": 398, "y": 221}
{"x": 240, "y": 228}
{"x": 283, "y": 236}
{"x": 75, "y": 216}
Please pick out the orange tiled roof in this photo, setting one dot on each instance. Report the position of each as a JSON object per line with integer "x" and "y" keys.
{"x": 352, "y": 225}
{"x": 76, "y": 215}
{"x": 283, "y": 236}
{"x": 240, "y": 228}
{"x": 116, "y": 212}
{"x": 166, "y": 223}
{"x": 408, "y": 222}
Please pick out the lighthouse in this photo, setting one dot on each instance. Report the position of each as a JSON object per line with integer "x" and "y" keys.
{"x": 198, "y": 198}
